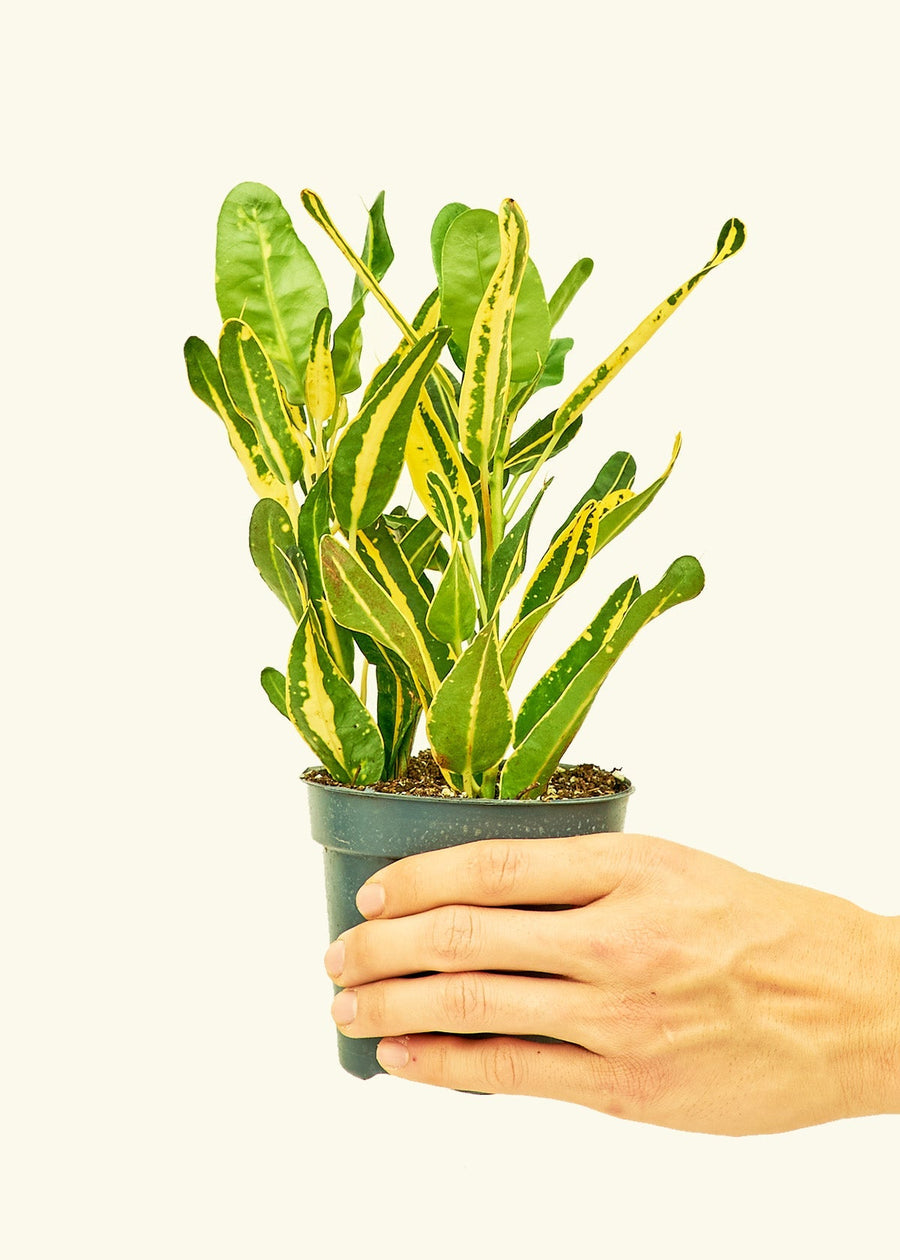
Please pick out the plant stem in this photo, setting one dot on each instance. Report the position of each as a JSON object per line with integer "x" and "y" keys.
{"x": 469, "y": 560}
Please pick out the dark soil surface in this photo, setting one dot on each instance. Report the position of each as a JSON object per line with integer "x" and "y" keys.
{"x": 423, "y": 778}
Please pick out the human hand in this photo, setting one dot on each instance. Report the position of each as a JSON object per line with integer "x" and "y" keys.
{"x": 691, "y": 993}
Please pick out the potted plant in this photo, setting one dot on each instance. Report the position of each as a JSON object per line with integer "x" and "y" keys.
{"x": 421, "y": 604}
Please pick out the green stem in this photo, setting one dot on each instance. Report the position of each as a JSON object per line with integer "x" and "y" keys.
{"x": 475, "y": 580}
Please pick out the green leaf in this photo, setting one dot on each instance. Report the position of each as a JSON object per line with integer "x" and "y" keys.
{"x": 469, "y": 723}
{"x": 378, "y": 254}
{"x": 275, "y": 686}
{"x": 313, "y": 523}
{"x": 444, "y": 218}
{"x": 377, "y": 251}
{"x": 207, "y": 383}
{"x": 555, "y": 368}
{"x": 276, "y": 555}
{"x": 469, "y": 258}
{"x": 360, "y": 603}
{"x": 451, "y": 617}
{"x": 569, "y": 286}
{"x": 509, "y": 558}
{"x": 254, "y": 390}
{"x": 267, "y": 277}
{"x": 534, "y": 759}
{"x": 368, "y": 457}
{"x": 328, "y": 713}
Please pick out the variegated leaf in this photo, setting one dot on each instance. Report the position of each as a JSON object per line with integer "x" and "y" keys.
{"x": 509, "y": 559}
{"x": 617, "y": 473}
{"x": 378, "y": 254}
{"x": 528, "y": 769}
{"x": 321, "y": 394}
{"x": 360, "y": 603}
{"x": 528, "y": 449}
{"x": 255, "y": 391}
{"x": 623, "y": 506}
{"x": 451, "y": 617}
{"x": 485, "y": 387}
{"x": 731, "y": 238}
{"x": 276, "y": 555}
{"x": 469, "y": 723}
{"x": 207, "y": 383}
{"x": 563, "y": 562}
{"x": 386, "y": 562}
{"x": 594, "y": 639}
{"x": 267, "y": 277}
{"x": 398, "y": 714}
{"x": 368, "y": 457}
{"x": 470, "y": 253}
{"x": 430, "y": 450}
{"x": 328, "y": 713}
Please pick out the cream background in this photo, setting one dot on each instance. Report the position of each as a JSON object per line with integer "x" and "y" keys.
{"x": 169, "y": 1084}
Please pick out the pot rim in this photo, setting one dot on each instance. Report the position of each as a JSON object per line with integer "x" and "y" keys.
{"x": 370, "y": 793}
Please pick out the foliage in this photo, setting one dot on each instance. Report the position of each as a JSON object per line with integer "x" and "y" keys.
{"x": 421, "y": 599}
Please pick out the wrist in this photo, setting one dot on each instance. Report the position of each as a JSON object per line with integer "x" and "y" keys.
{"x": 890, "y": 1055}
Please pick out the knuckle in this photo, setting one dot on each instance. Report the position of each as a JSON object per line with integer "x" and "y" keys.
{"x": 627, "y": 1085}
{"x": 500, "y": 866}
{"x": 454, "y": 934}
{"x": 465, "y": 1001}
{"x": 502, "y": 1067}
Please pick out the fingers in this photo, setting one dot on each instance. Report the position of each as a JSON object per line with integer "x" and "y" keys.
{"x": 456, "y": 938}
{"x": 572, "y": 871}
{"x": 468, "y": 1002}
{"x": 505, "y": 1065}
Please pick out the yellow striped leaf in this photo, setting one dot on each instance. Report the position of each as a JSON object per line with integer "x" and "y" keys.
{"x": 431, "y": 452}
{"x": 485, "y": 387}
{"x": 207, "y": 383}
{"x": 276, "y": 555}
{"x": 451, "y": 617}
{"x": 361, "y": 604}
{"x": 385, "y": 560}
{"x": 368, "y": 457}
{"x": 731, "y": 238}
{"x": 321, "y": 395}
{"x": 574, "y": 681}
{"x": 255, "y": 391}
{"x": 328, "y": 713}
{"x": 470, "y": 721}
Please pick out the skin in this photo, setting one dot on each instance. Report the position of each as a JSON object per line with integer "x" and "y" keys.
{"x": 690, "y": 993}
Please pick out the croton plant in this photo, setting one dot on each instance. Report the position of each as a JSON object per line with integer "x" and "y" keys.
{"x": 424, "y": 597}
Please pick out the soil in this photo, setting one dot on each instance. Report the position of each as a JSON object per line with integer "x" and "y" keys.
{"x": 423, "y": 778}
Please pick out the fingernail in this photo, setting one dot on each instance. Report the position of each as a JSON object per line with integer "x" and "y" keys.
{"x": 343, "y": 1008}
{"x": 392, "y": 1054}
{"x": 334, "y": 959}
{"x": 370, "y": 900}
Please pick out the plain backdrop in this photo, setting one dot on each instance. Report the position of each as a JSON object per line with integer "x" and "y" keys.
{"x": 169, "y": 1083}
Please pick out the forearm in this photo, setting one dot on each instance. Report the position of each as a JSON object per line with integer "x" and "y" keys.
{"x": 881, "y": 1041}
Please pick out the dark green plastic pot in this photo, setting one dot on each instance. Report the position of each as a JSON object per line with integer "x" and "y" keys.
{"x": 361, "y": 832}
